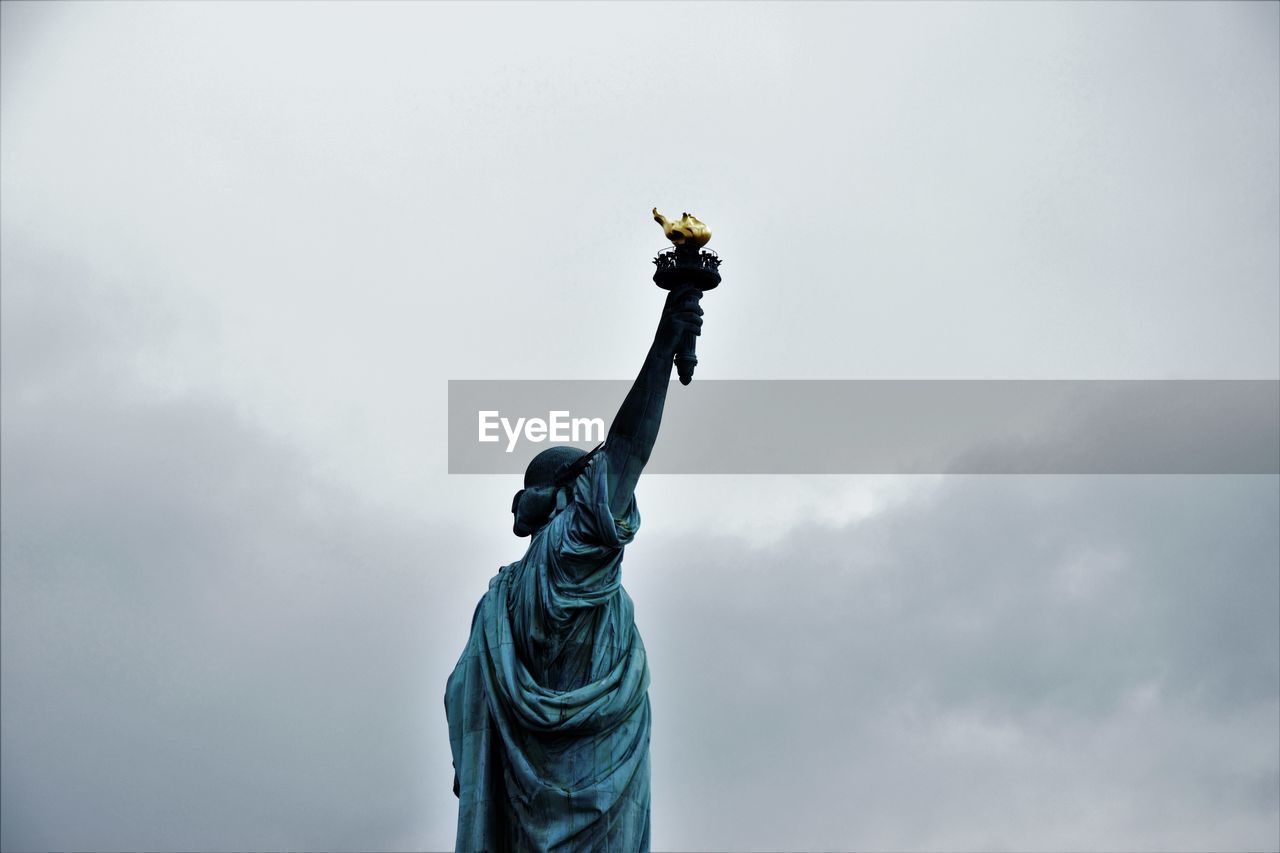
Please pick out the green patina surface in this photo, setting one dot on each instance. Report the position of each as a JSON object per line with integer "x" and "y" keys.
{"x": 548, "y": 706}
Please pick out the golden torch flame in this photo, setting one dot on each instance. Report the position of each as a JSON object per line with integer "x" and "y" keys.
{"x": 688, "y": 231}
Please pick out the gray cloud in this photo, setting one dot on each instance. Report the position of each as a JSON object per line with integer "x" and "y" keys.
{"x": 207, "y": 643}
{"x": 1014, "y": 663}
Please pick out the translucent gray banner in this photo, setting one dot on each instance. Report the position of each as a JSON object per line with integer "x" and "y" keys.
{"x": 888, "y": 426}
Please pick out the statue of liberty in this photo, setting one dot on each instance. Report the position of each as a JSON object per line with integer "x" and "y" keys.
{"x": 548, "y": 706}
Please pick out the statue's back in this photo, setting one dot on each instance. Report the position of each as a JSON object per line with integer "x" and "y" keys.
{"x": 548, "y": 707}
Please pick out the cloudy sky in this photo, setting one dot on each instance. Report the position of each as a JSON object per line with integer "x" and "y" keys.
{"x": 246, "y": 245}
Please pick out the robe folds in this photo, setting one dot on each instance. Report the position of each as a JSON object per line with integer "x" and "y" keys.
{"x": 548, "y": 706}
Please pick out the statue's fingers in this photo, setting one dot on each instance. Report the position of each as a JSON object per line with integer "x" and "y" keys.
{"x": 687, "y": 315}
{"x": 673, "y": 298}
{"x": 687, "y": 300}
{"x": 688, "y": 307}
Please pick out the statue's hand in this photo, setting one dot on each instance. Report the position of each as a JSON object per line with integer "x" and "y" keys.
{"x": 681, "y": 315}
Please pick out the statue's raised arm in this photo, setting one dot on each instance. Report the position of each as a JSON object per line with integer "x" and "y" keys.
{"x": 684, "y": 271}
{"x": 635, "y": 428}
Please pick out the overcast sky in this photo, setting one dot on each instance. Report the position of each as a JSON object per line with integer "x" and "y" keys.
{"x": 244, "y": 247}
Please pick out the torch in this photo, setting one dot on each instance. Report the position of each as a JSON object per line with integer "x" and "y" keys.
{"x": 686, "y": 264}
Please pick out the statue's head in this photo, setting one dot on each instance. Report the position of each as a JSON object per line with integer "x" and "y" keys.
{"x": 548, "y": 482}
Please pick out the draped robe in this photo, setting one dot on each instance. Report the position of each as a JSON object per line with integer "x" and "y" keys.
{"x": 548, "y": 706}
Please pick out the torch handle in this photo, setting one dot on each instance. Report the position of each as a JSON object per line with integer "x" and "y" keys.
{"x": 687, "y": 354}
{"x": 695, "y": 271}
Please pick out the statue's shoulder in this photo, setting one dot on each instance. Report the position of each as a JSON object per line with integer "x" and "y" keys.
{"x": 509, "y": 579}
{"x": 504, "y": 574}
{"x": 502, "y": 578}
